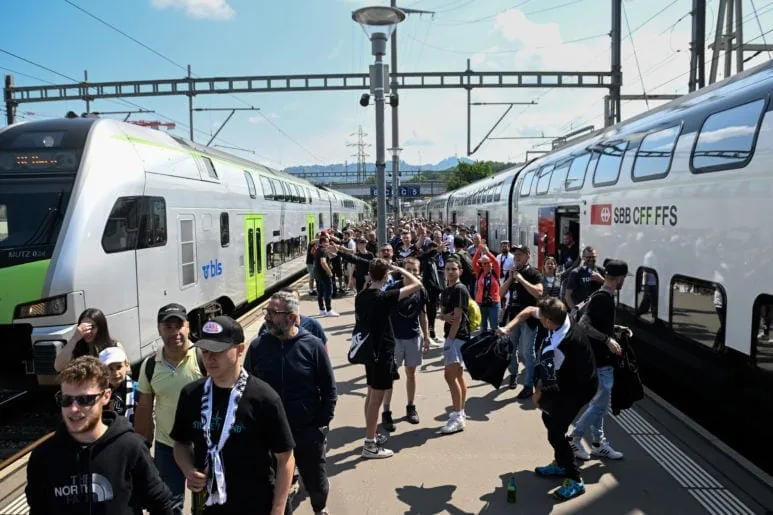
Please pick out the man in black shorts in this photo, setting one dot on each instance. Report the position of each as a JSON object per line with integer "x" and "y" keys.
{"x": 231, "y": 434}
{"x": 375, "y": 306}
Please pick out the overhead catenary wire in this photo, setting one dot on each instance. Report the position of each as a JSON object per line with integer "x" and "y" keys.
{"x": 184, "y": 68}
{"x": 759, "y": 24}
{"x": 635, "y": 55}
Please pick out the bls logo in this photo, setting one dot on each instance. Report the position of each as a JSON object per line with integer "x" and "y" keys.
{"x": 213, "y": 269}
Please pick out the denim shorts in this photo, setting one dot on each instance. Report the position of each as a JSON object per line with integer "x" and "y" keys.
{"x": 452, "y": 352}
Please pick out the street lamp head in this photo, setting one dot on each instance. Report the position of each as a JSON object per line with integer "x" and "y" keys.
{"x": 378, "y": 20}
{"x": 395, "y": 151}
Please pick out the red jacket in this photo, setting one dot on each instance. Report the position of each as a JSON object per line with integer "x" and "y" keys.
{"x": 495, "y": 271}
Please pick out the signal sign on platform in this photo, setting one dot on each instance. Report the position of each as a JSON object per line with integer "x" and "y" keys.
{"x": 406, "y": 191}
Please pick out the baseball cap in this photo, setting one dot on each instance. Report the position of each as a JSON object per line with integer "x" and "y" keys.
{"x": 172, "y": 311}
{"x": 220, "y": 334}
{"x": 616, "y": 268}
{"x": 112, "y": 355}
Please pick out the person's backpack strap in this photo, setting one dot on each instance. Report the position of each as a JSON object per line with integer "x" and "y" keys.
{"x": 200, "y": 361}
{"x": 150, "y": 367}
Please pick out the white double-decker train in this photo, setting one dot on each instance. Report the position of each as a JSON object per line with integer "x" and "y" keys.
{"x": 683, "y": 194}
{"x": 100, "y": 213}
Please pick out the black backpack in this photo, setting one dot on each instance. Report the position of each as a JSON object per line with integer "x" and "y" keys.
{"x": 468, "y": 272}
{"x": 150, "y": 365}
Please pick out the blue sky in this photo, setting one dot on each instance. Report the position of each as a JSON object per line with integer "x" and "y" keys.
{"x": 264, "y": 37}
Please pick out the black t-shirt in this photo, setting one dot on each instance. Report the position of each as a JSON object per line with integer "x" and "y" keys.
{"x": 309, "y": 255}
{"x": 361, "y": 269}
{"x": 520, "y": 298}
{"x": 601, "y": 311}
{"x": 581, "y": 284}
{"x": 318, "y": 270}
{"x": 453, "y": 297}
{"x": 405, "y": 320}
{"x": 260, "y": 429}
{"x": 569, "y": 255}
{"x": 375, "y": 307}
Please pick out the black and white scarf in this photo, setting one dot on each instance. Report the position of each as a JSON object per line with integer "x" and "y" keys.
{"x": 216, "y": 487}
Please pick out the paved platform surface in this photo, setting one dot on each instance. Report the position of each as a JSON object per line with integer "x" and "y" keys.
{"x": 667, "y": 469}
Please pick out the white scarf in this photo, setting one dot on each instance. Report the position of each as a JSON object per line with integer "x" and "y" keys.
{"x": 214, "y": 460}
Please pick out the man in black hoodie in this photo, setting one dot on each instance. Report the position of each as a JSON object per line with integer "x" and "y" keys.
{"x": 95, "y": 463}
{"x": 295, "y": 363}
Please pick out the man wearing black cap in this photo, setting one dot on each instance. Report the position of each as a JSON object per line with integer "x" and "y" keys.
{"x": 162, "y": 376}
{"x": 227, "y": 429}
{"x": 598, "y": 321}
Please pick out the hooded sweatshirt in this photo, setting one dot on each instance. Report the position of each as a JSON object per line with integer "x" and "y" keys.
{"x": 114, "y": 475}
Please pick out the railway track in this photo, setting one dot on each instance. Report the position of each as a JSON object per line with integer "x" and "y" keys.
{"x": 29, "y": 419}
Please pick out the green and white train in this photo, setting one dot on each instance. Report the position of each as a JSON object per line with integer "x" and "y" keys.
{"x": 100, "y": 213}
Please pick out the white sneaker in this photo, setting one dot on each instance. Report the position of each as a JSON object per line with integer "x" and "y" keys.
{"x": 579, "y": 449}
{"x": 322, "y": 312}
{"x": 372, "y": 450}
{"x": 455, "y": 424}
{"x": 332, "y": 313}
{"x": 605, "y": 450}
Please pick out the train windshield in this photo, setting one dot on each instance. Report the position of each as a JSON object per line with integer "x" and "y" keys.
{"x": 37, "y": 173}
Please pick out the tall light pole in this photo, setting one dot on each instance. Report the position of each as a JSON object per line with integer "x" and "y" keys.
{"x": 378, "y": 22}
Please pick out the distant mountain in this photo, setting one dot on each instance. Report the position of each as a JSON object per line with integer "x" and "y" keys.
{"x": 338, "y": 168}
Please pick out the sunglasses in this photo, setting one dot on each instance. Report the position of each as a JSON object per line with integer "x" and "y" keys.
{"x": 65, "y": 401}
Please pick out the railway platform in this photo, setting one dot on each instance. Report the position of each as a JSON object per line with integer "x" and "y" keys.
{"x": 671, "y": 466}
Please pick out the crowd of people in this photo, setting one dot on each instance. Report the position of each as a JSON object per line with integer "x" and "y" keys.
{"x": 243, "y": 424}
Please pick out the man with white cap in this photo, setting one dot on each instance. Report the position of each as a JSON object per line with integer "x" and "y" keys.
{"x": 123, "y": 388}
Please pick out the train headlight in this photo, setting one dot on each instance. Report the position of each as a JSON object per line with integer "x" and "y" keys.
{"x": 42, "y": 308}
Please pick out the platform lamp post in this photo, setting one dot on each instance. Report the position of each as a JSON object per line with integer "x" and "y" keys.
{"x": 379, "y": 22}
{"x": 396, "y": 182}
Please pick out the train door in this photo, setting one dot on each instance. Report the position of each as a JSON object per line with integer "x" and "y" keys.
{"x": 567, "y": 220}
{"x": 546, "y": 234}
{"x": 453, "y": 217}
{"x": 483, "y": 226}
{"x": 253, "y": 254}
{"x": 310, "y": 227}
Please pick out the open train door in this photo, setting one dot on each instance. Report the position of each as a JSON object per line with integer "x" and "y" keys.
{"x": 483, "y": 226}
{"x": 546, "y": 234}
{"x": 567, "y": 220}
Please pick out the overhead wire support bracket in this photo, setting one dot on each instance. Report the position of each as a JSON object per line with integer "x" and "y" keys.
{"x": 232, "y": 109}
{"x": 509, "y": 108}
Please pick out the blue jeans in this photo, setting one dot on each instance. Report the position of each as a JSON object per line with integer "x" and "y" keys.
{"x": 170, "y": 473}
{"x": 522, "y": 340}
{"x": 490, "y": 317}
{"x": 597, "y": 408}
{"x": 324, "y": 292}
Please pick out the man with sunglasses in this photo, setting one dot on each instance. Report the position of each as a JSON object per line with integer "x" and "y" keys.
{"x": 583, "y": 280}
{"x": 94, "y": 463}
{"x": 295, "y": 364}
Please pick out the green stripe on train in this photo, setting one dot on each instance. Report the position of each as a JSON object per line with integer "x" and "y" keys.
{"x": 20, "y": 284}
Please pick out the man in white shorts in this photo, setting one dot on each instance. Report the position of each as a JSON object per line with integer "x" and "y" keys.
{"x": 411, "y": 330}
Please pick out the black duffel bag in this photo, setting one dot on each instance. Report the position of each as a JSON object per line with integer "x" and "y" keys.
{"x": 486, "y": 357}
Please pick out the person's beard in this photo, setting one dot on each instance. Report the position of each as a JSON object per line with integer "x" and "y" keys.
{"x": 277, "y": 329}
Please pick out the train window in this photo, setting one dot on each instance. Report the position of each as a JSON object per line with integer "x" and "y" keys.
{"x": 251, "y": 251}
{"x": 558, "y": 178}
{"x": 653, "y": 159}
{"x": 152, "y": 223}
{"x": 258, "y": 251}
{"x": 490, "y": 194}
{"x": 211, "y": 172}
{"x": 727, "y": 138}
{"x": 526, "y": 184}
{"x": 268, "y": 188}
{"x": 762, "y": 346}
{"x": 122, "y": 229}
{"x": 698, "y": 311}
{"x": 608, "y": 166}
{"x": 498, "y": 192}
{"x": 576, "y": 176}
{"x": 3, "y": 222}
{"x": 187, "y": 251}
{"x": 544, "y": 179}
{"x": 278, "y": 191}
{"x": 251, "y": 185}
{"x": 647, "y": 294}
{"x": 301, "y": 195}
{"x": 225, "y": 230}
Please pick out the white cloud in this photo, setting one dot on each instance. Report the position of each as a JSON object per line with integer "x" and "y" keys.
{"x": 420, "y": 138}
{"x": 207, "y": 9}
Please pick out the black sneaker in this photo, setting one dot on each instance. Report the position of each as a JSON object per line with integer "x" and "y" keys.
{"x": 386, "y": 421}
{"x": 525, "y": 393}
{"x": 411, "y": 414}
{"x": 513, "y": 384}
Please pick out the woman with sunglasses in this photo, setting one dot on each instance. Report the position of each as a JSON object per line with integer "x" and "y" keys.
{"x": 487, "y": 271}
{"x": 95, "y": 462}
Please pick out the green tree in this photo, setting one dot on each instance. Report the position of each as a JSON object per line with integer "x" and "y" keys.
{"x": 466, "y": 173}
